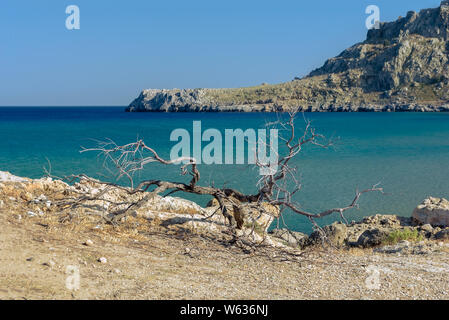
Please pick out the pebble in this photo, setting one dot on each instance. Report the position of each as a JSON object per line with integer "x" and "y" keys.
{"x": 31, "y": 214}
{"x": 83, "y": 262}
{"x": 1, "y": 204}
{"x": 50, "y": 263}
{"x": 88, "y": 243}
{"x": 27, "y": 196}
{"x": 42, "y": 198}
{"x": 404, "y": 243}
{"x": 103, "y": 260}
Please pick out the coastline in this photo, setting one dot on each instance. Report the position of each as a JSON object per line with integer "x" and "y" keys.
{"x": 401, "y": 66}
{"x": 321, "y": 109}
{"x": 281, "y": 183}
{"x": 147, "y": 257}
{"x": 229, "y": 100}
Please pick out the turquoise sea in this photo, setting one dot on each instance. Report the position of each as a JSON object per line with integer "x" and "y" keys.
{"x": 407, "y": 152}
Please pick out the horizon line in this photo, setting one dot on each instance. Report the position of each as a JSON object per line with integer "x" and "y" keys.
{"x": 65, "y": 106}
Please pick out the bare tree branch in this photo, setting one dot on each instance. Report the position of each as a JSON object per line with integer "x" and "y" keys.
{"x": 277, "y": 189}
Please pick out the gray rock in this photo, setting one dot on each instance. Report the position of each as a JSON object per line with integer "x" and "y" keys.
{"x": 391, "y": 249}
{"x": 442, "y": 235}
{"x": 426, "y": 228}
{"x": 404, "y": 243}
{"x": 169, "y": 100}
{"x": 405, "y": 247}
{"x": 335, "y": 234}
{"x": 371, "y": 238}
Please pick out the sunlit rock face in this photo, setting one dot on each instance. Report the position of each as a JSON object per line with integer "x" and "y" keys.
{"x": 433, "y": 211}
{"x": 402, "y": 66}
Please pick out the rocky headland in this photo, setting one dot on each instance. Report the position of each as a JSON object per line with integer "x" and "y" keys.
{"x": 402, "y": 66}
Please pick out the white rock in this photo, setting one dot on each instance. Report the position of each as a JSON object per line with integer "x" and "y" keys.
{"x": 2, "y": 204}
{"x": 94, "y": 191}
{"x": 103, "y": 260}
{"x": 31, "y": 214}
{"x": 8, "y": 177}
{"x": 42, "y": 198}
{"x": 88, "y": 242}
{"x": 433, "y": 211}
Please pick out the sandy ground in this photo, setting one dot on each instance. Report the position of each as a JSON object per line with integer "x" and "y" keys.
{"x": 145, "y": 261}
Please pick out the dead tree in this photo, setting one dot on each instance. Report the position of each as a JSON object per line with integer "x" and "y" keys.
{"x": 277, "y": 189}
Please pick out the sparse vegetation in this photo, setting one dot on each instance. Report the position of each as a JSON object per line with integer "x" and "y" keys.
{"x": 401, "y": 235}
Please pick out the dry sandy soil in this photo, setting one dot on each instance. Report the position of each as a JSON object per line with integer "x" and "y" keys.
{"x": 147, "y": 261}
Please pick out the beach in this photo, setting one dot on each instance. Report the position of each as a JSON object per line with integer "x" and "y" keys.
{"x": 144, "y": 257}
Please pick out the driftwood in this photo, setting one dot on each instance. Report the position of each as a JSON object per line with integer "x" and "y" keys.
{"x": 276, "y": 190}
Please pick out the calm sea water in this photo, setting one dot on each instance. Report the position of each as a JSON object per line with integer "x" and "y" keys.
{"x": 407, "y": 152}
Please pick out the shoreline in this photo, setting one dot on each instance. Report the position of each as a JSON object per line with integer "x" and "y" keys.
{"x": 34, "y": 196}
{"x": 144, "y": 258}
{"x": 198, "y": 100}
{"x": 400, "y": 65}
{"x": 440, "y": 109}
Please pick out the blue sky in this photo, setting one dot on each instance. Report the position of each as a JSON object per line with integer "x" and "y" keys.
{"x": 123, "y": 47}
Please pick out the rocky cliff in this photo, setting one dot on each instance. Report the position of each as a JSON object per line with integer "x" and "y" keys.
{"x": 402, "y": 66}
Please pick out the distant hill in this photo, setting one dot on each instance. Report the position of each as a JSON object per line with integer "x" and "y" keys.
{"x": 402, "y": 66}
